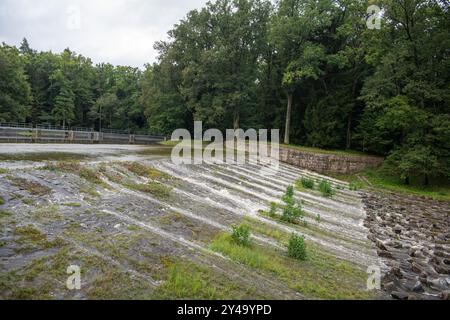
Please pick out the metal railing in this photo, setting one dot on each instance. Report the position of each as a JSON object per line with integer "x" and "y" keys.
{"x": 26, "y": 132}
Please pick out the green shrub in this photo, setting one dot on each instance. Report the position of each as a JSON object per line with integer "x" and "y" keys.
{"x": 2, "y": 201}
{"x": 307, "y": 183}
{"x": 326, "y": 188}
{"x": 355, "y": 186}
{"x": 297, "y": 247}
{"x": 273, "y": 209}
{"x": 241, "y": 235}
{"x": 291, "y": 210}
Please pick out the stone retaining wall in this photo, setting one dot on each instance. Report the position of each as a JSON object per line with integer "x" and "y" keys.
{"x": 328, "y": 163}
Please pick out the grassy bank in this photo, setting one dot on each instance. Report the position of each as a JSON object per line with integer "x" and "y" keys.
{"x": 325, "y": 151}
{"x": 43, "y": 156}
{"x": 320, "y": 276}
{"x": 380, "y": 181}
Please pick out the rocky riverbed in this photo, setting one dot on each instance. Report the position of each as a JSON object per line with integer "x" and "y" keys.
{"x": 412, "y": 235}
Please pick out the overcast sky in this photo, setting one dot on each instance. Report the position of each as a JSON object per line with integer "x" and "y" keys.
{"x": 121, "y": 32}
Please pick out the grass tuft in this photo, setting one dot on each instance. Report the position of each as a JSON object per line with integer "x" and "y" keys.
{"x": 326, "y": 189}
{"x": 156, "y": 189}
{"x": 241, "y": 235}
{"x": 32, "y": 187}
{"x": 145, "y": 171}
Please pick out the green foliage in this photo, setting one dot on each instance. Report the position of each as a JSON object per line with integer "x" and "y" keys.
{"x": 157, "y": 189}
{"x": 64, "y": 106}
{"x": 241, "y": 235}
{"x": 15, "y": 92}
{"x": 90, "y": 175}
{"x": 307, "y": 183}
{"x": 292, "y": 209}
{"x": 66, "y": 89}
{"x": 187, "y": 280}
{"x": 297, "y": 247}
{"x": 273, "y": 209}
{"x": 320, "y": 276}
{"x": 326, "y": 189}
{"x": 239, "y": 63}
{"x": 355, "y": 185}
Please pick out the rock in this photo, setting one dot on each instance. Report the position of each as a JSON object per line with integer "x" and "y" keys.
{"x": 423, "y": 277}
{"x": 385, "y": 254}
{"x": 397, "y": 272}
{"x": 399, "y": 295}
{"x": 381, "y": 245}
{"x": 397, "y": 245}
{"x": 418, "y": 287}
{"x": 416, "y": 267}
{"x": 437, "y": 283}
{"x": 442, "y": 269}
{"x": 440, "y": 254}
{"x": 412, "y": 251}
{"x": 389, "y": 286}
{"x": 117, "y": 226}
{"x": 445, "y": 295}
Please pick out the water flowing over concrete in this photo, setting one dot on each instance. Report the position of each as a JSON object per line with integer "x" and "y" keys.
{"x": 205, "y": 201}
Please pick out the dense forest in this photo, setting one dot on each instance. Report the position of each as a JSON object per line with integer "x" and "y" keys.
{"x": 312, "y": 68}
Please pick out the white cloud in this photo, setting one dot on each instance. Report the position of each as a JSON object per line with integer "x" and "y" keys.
{"x": 115, "y": 31}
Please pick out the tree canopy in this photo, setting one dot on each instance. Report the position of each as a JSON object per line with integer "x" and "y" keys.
{"x": 312, "y": 68}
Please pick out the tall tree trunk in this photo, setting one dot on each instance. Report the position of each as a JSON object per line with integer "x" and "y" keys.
{"x": 290, "y": 97}
{"x": 426, "y": 181}
{"x": 236, "y": 121}
{"x": 350, "y": 115}
{"x": 407, "y": 180}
